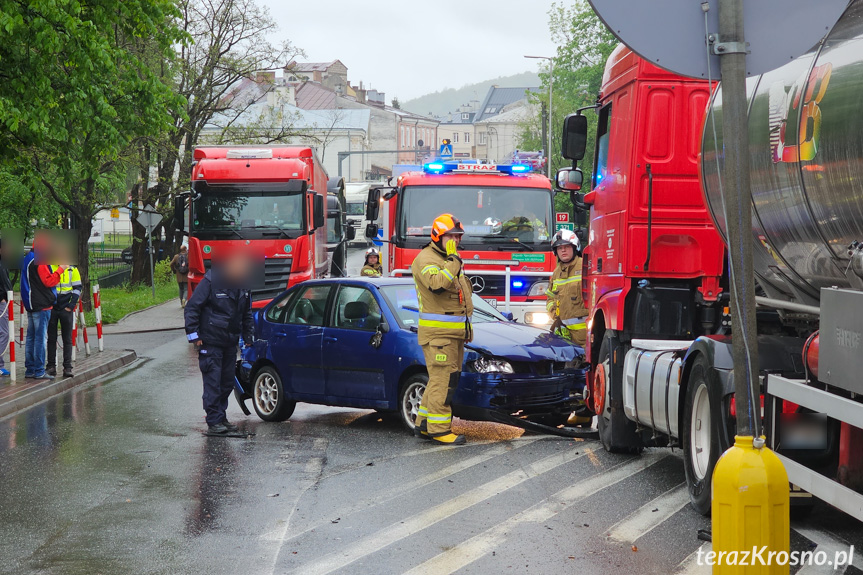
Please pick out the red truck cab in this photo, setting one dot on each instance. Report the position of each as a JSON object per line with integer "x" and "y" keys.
{"x": 268, "y": 200}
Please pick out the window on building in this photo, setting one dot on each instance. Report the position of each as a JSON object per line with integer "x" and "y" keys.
{"x": 491, "y": 110}
{"x": 455, "y": 137}
{"x": 465, "y": 116}
{"x": 467, "y": 137}
{"x": 482, "y": 138}
{"x": 403, "y": 136}
{"x": 413, "y": 141}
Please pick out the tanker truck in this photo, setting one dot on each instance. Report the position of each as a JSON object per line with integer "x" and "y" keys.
{"x": 656, "y": 267}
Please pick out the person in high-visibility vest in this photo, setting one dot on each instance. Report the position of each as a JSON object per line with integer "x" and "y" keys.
{"x": 565, "y": 303}
{"x": 372, "y": 267}
{"x": 68, "y": 295}
{"x": 445, "y": 309}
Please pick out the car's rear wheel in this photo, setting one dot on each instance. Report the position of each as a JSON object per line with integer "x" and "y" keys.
{"x": 268, "y": 396}
{"x": 410, "y": 397}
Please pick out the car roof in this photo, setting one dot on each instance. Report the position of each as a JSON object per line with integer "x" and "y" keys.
{"x": 381, "y": 281}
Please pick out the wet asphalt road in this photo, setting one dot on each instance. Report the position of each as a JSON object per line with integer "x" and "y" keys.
{"x": 117, "y": 478}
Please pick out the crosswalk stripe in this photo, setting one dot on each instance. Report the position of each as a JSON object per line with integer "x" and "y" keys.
{"x": 419, "y": 482}
{"x": 829, "y": 544}
{"x": 651, "y": 515}
{"x": 690, "y": 566}
{"x": 480, "y": 545}
{"x": 425, "y": 519}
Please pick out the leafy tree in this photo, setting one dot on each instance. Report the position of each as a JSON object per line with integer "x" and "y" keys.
{"x": 583, "y": 46}
{"x": 76, "y": 94}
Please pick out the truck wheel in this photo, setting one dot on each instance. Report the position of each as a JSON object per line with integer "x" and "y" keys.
{"x": 268, "y": 396}
{"x": 617, "y": 433}
{"x": 702, "y": 438}
{"x": 410, "y": 397}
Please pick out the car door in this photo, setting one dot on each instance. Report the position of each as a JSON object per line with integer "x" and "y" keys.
{"x": 295, "y": 344}
{"x": 353, "y": 367}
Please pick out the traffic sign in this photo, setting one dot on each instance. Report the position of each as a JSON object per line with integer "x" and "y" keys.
{"x": 149, "y": 218}
{"x": 671, "y": 33}
{"x": 378, "y": 239}
{"x": 562, "y": 217}
{"x": 115, "y": 213}
{"x": 446, "y": 150}
{"x": 564, "y": 226}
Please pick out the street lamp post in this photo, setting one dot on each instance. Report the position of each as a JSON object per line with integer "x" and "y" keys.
{"x": 550, "y": 86}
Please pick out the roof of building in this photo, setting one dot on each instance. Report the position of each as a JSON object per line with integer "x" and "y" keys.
{"x": 313, "y": 96}
{"x": 295, "y": 66}
{"x": 513, "y": 113}
{"x": 498, "y": 98}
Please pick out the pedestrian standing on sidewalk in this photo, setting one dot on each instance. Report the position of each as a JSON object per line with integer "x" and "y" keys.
{"x": 218, "y": 313}
{"x": 5, "y": 287}
{"x": 38, "y": 281}
{"x": 68, "y": 295}
{"x": 180, "y": 266}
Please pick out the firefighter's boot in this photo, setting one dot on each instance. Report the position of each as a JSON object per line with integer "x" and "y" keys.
{"x": 576, "y": 420}
{"x": 449, "y": 439}
{"x": 421, "y": 431}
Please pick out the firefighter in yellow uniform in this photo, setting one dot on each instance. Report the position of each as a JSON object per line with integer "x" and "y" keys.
{"x": 372, "y": 267}
{"x": 444, "y": 298}
{"x": 565, "y": 302}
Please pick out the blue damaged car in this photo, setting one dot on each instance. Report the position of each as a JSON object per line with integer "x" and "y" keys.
{"x": 352, "y": 342}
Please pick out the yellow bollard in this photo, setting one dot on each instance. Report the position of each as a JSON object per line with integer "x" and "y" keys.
{"x": 750, "y": 508}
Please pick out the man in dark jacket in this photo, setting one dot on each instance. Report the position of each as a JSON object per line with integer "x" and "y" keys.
{"x": 217, "y": 314}
{"x": 38, "y": 280}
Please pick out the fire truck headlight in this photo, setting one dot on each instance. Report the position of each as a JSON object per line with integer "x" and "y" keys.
{"x": 537, "y": 318}
{"x": 492, "y": 365}
{"x": 538, "y": 289}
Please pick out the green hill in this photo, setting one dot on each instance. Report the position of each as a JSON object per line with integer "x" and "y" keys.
{"x": 447, "y": 100}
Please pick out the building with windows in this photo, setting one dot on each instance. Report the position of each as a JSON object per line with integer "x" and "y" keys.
{"x": 457, "y": 127}
{"x": 498, "y": 135}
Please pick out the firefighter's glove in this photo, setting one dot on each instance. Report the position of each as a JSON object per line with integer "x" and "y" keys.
{"x": 451, "y": 248}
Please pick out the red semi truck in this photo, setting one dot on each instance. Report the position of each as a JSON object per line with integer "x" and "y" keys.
{"x": 656, "y": 274}
{"x": 507, "y": 213}
{"x": 269, "y": 200}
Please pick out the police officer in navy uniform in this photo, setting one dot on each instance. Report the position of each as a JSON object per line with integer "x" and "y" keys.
{"x": 217, "y": 314}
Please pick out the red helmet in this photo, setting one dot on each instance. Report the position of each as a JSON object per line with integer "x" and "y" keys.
{"x": 445, "y": 224}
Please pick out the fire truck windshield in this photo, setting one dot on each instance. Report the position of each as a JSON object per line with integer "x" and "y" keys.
{"x": 246, "y": 211}
{"x": 495, "y": 218}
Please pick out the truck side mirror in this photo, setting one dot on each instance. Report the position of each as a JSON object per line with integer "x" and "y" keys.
{"x": 350, "y": 233}
{"x": 574, "y": 141}
{"x": 570, "y": 179}
{"x": 180, "y": 213}
{"x": 372, "y": 231}
{"x": 319, "y": 214}
{"x": 373, "y": 205}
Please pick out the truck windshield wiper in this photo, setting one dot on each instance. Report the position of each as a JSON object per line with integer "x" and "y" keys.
{"x": 508, "y": 239}
{"x": 221, "y": 231}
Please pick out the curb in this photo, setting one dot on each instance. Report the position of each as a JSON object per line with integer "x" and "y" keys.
{"x": 137, "y": 311}
{"x": 59, "y": 386}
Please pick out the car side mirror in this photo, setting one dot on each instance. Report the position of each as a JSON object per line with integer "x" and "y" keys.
{"x": 574, "y": 142}
{"x": 373, "y": 205}
{"x": 570, "y": 179}
{"x": 318, "y": 211}
{"x": 508, "y": 315}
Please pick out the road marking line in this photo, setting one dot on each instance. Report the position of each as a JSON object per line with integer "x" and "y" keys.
{"x": 419, "y": 482}
{"x": 425, "y": 519}
{"x": 650, "y": 515}
{"x": 830, "y": 544}
{"x": 690, "y": 566}
{"x": 480, "y": 545}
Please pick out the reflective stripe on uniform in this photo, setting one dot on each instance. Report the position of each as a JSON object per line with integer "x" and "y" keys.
{"x": 564, "y": 281}
{"x": 575, "y": 323}
{"x": 442, "y": 324}
{"x": 446, "y": 272}
{"x": 442, "y": 317}
{"x": 430, "y": 269}
{"x": 438, "y": 418}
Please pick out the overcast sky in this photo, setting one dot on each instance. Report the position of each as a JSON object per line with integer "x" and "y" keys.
{"x": 408, "y": 48}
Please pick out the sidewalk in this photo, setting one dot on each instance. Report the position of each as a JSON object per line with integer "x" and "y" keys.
{"x": 167, "y": 316}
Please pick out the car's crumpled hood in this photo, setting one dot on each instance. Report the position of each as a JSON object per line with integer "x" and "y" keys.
{"x": 520, "y": 342}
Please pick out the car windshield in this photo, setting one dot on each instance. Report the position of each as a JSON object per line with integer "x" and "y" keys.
{"x": 403, "y": 303}
{"x": 247, "y": 211}
{"x": 494, "y": 217}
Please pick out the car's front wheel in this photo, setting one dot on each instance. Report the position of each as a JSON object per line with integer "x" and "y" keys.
{"x": 268, "y": 396}
{"x": 410, "y": 397}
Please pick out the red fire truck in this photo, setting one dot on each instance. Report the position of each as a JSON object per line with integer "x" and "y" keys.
{"x": 656, "y": 273}
{"x": 507, "y": 214}
{"x": 271, "y": 200}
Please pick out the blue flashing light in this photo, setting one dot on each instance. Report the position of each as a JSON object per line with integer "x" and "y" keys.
{"x": 474, "y": 167}
{"x": 517, "y": 284}
{"x": 434, "y": 167}
{"x": 520, "y": 168}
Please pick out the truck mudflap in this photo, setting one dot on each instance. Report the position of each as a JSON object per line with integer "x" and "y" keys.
{"x": 571, "y": 432}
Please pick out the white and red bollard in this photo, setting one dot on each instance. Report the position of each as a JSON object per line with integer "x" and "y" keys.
{"x": 97, "y": 309}
{"x": 84, "y": 328}
{"x": 75, "y": 334}
{"x": 20, "y": 322}
{"x": 10, "y": 302}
